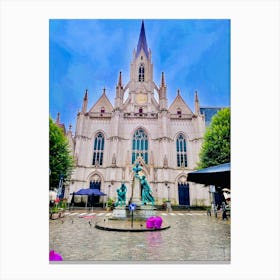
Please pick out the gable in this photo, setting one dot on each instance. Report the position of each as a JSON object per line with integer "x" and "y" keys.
{"x": 102, "y": 103}
{"x": 179, "y": 103}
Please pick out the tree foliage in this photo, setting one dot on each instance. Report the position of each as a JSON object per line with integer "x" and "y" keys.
{"x": 216, "y": 144}
{"x": 60, "y": 159}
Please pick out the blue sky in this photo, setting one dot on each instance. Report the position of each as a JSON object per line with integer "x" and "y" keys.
{"x": 88, "y": 54}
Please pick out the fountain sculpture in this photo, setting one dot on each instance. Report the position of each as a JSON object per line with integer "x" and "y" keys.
{"x": 141, "y": 200}
{"x": 141, "y": 196}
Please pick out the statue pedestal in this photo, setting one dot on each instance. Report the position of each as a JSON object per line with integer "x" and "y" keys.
{"x": 147, "y": 211}
{"x": 136, "y": 192}
{"x": 119, "y": 212}
{"x": 143, "y": 212}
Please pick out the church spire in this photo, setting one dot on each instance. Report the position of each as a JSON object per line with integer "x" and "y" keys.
{"x": 142, "y": 42}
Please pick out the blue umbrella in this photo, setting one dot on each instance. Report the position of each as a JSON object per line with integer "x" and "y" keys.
{"x": 218, "y": 175}
{"x": 95, "y": 192}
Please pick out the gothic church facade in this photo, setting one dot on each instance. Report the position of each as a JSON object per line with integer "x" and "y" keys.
{"x": 165, "y": 140}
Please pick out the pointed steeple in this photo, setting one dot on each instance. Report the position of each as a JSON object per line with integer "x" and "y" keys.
{"x": 85, "y": 102}
{"x": 196, "y": 104}
{"x": 120, "y": 80}
{"x": 69, "y": 132}
{"x": 162, "y": 94}
{"x": 86, "y": 95}
{"x": 57, "y": 118}
{"x": 119, "y": 92}
{"x": 162, "y": 80}
{"x": 142, "y": 43}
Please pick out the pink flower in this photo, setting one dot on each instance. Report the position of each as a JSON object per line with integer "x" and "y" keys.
{"x": 54, "y": 256}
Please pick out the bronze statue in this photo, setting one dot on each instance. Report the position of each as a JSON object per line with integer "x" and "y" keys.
{"x": 146, "y": 191}
{"x": 121, "y": 195}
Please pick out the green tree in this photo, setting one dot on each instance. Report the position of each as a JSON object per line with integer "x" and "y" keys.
{"x": 60, "y": 159}
{"x": 216, "y": 143}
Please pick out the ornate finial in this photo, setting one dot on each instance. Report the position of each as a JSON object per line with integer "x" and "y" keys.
{"x": 165, "y": 162}
{"x": 86, "y": 95}
{"x": 162, "y": 79}
{"x": 114, "y": 160}
{"x": 196, "y": 96}
{"x": 196, "y": 102}
{"x": 84, "y": 108}
{"x": 58, "y": 118}
{"x": 178, "y": 92}
{"x": 104, "y": 90}
{"x": 120, "y": 79}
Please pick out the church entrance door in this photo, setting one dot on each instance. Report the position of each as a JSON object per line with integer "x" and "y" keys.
{"x": 94, "y": 199}
{"x": 184, "y": 194}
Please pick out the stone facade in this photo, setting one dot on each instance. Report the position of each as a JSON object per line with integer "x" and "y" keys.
{"x": 165, "y": 140}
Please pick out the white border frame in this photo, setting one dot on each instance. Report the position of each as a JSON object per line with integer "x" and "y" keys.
{"x": 255, "y": 137}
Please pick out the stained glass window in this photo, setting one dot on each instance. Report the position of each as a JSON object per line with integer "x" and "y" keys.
{"x": 181, "y": 148}
{"x": 140, "y": 145}
{"x": 98, "y": 149}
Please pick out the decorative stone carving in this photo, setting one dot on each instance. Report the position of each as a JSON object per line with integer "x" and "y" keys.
{"x": 165, "y": 162}
{"x": 114, "y": 160}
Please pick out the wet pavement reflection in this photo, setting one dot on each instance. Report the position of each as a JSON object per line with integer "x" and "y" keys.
{"x": 193, "y": 236}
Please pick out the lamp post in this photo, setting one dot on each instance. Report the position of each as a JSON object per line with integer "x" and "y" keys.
{"x": 108, "y": 197}
{"x": 109, "y": 188}
{"x": 166, "y": 184}
{"x": 168, "y": 188}
{"x": 212, "y": 191}
{"x": 168, "y": 204}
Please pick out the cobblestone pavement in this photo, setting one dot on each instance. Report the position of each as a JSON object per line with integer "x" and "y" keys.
{"x": 193, "y": 236}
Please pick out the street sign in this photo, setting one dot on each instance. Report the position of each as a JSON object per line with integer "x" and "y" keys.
{"x": 132, "y": 207}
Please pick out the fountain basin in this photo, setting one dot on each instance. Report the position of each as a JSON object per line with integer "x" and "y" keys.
{"x": 125, "y": 226}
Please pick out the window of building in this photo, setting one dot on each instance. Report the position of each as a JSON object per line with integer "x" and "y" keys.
{"x": 102, "y": 111}
{"x": 140, "y": 110}
{"x": 181, "y": 148}
{"x": 140, "y": 145}
{"x": 141, "y": 73}
{"x": 98, "y": 149}
{"x": 179, "y": 112}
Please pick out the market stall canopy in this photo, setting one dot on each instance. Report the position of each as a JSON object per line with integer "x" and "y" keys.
{"x": 218, "y": 175}
{"x": 95, "y": 192}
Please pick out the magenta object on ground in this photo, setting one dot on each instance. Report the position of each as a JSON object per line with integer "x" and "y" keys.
{"x": 154, "y": 222}
{"x": 150, "y": 222}
{"x": 54, "y": 256}
{"x": 157, "y": 222}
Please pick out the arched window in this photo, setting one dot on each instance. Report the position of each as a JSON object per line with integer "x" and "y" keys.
{"x": 141, "y": 73}
{"x": 179, "y": 112}
{"x": 181, "y": 148}
{"x": 140, "y": 145}
{"x": 98, "y": 149}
